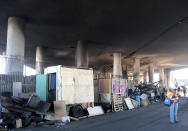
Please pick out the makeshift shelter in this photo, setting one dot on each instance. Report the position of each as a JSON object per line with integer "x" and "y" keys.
{"x": 72, "y": 85}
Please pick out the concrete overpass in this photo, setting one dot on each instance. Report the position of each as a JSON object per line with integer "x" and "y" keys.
{"x": 155, "y": 32}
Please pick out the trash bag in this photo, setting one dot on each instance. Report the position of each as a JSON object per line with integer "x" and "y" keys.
{"x": 76, "y": 111}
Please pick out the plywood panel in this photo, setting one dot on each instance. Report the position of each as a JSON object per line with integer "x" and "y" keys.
{"x": 67, "y": 75}
{"x": 68, "y": 91}
{"x": 84, "y": 87}
{"x": 105, "y": 86}
{"x": 77, "y": 85}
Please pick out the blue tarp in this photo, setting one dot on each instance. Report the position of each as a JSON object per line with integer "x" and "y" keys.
{"x": 52, "y": 80}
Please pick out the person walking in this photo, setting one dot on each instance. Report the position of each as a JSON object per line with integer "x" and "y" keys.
{"x": 174, "y": 96}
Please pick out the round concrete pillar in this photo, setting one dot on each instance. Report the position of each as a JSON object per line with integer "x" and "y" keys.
{"x": 82, "y": 54}
{"x": 39, "y": 60}
{"x": 167, "y": 78}
{"x": 4, "y": 62}
{"x": 15, "y": 45}
{"x": 151, "y": 73}
{"x": 117, "y": 67}
{"x": 124, "y": 71}
{"x": 136, "y": 73}
{"x": 145, "y": 76}
{"x": 161, "y": 76}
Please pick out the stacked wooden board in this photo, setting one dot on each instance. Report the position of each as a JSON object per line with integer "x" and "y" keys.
{"x": 117, "y": 103}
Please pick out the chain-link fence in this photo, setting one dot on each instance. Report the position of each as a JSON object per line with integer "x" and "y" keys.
{"x": 15, "y": 70}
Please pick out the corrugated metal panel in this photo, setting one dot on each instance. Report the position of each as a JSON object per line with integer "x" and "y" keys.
{"x": 6, "y": 82}
{"x": 7, "y": 79}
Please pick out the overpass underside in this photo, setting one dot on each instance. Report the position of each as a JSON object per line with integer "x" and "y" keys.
{"x": 126, "y": 39}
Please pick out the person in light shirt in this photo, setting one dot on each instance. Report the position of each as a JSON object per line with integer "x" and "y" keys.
{"x": 174, "y": 96}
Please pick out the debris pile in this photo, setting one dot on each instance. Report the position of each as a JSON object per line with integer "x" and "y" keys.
{"x": 22, "y": 112}
{"x": 28, "y": 110}
{"x": 143, "y": 95}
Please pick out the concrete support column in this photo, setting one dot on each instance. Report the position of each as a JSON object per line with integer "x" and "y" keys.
{"x": 145, "y": 76}
{"x": 161, "y": 76}
{"x": 167, "y": 78}
{"x": 124, "y": 71}
{"x": 151, "y": 73}
{"x": 3, "y": 62}
{"x": 15, "y": 45}
{"x": 39, "y": 60}
{"x": 82, "y": 54}
{"x": 136, "y": 73}
{"x": 117, "y": 67}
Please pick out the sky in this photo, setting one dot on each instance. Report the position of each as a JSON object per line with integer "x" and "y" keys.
{"x": 156, "y": 77}
{"x": 180, "y": 74}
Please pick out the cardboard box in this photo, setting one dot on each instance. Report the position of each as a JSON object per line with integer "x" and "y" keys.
{"x": 59, "y": 111}
{"x": 60, "y": 108}
{"x": 145, "y": 102}
{"x": 94, "y": 111}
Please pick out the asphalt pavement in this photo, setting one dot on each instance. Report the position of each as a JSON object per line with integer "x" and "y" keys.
{"x": 152, "y": 118}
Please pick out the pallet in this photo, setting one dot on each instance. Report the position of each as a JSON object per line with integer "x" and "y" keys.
{"x": 76, "y": 119}
{"x": 118, "y": 103}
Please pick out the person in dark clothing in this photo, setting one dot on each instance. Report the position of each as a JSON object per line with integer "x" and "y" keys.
{"x": 184, "y": 90}
{"x": 179, "y": 89}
